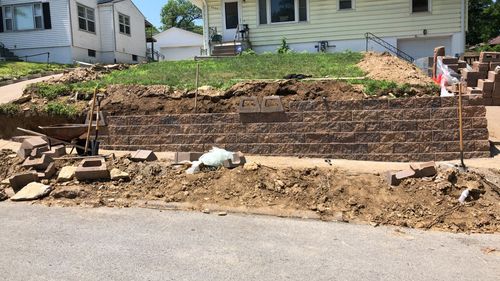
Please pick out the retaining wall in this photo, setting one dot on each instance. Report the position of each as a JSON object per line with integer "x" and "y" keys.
{"x": 414, "y": 129}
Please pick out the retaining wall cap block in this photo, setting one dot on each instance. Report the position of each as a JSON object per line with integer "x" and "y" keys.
{"x": 92, "y": 169}
{"x": 38, "y": 151}
{"x": 23, "y": 152}
{"x": 238, "y": 160}
{"x": 143, "y": 155}
{"x": 405, "y": 174}
{"x": 33, "y": 142}
{"x": 49, "y": 172}
{"x": 245, "y": 108}
{"x": 18, "y": 181}
{"x": 392, "y": 179}
{"x": 32, "y": 191}
{"x": 422, "y": 170}
{"x": 187, "y": 156}
{"x": 39, "y": 164}
{"x": 56, "y": 151}
{"x": 272, "y": 104}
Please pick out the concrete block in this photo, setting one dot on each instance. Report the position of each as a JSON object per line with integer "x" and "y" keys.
{"x": 449, "y": 60}
{"x": 391, "y": 179}
{"x": 474, "y": 91}
{"x": 494, "y": 65}
{"x": 33, "y": 142}
{"x": 23, "y": 152}
{"x": 238, "y": 160}
{"x": 422, "y": 170}
{"x": 405, "y": 174}
{"x": 485, "y": 85}
{"x": 271, "y": 104}
{"x": 56, "y": 151}
{"x": 470, "y": 77}
{"x": 249, "y": 105}
{"x": 38, "y": 151}
{"x": 18, "y": 181}
{"x": 496, "y": 90}
{"x": 143, "y": 155}
{"x": 187, "y": 156}
{"x": 462, "y": 64}
{"x": 49, "y": 172}
{"x": 39, "y": 164}
{"x": 489, "y": 56}
{"x": 481, "y": 66}
{"x": 92, "y": 169}
{"x": 493, "y": 76}
{"x": 32, "y": 191}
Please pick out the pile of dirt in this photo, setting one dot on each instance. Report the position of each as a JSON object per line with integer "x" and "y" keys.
{"x": 384, "y": 66}
{"x": 83, "y": 74}
{"x": 333, "y": 194}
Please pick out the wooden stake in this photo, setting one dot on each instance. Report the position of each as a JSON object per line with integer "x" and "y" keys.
{"x": 197, "y": 86}
{"x": 460, "y": 121}
{"x": 90, "y": 119}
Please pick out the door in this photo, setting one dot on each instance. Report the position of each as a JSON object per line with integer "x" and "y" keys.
{"x": 231, "y": 16}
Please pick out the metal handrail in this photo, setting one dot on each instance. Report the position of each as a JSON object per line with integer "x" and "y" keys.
{"x": 388, "y": 46}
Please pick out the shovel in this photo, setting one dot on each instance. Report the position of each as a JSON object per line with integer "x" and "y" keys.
{"x": 95, "y": 143}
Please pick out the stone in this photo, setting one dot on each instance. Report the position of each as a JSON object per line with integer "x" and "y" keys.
{"x": 5, "y": 182}
{"x": 251, "y": 166}
{"x": 66, "y": 193}
{"x": 39, "y": 164}
{"x": 117, "y": 174}
{"x": 143, "y": 156}
{"x": 424, "y": 170}
{"x": 92, "y": 169}
{"x": 32, "y": 191}
{"x": 66, "y": 174}
{"x": 18, "y": 181}
{"x": 187, "y": 156}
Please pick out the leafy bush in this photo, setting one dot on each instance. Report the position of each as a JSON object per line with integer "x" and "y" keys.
{"x": 489, "y": 48}
{"x": 9, "y": 109}
{"x": 284, "y": 48}
{"x": 52, "y": 91}
{"x": 61, "y": 109}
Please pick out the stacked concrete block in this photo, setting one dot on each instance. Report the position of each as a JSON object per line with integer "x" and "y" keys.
{"x": 484, "y": 80}
{"x": 37, "y": 145}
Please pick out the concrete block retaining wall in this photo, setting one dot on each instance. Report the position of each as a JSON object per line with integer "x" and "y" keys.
{"x": 416, "y": 129}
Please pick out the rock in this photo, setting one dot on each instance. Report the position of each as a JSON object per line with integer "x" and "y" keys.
{"x": 222, "y": 214}
{"x": 66, "y": 193}
{"x": 32, "y": 191}
{"x": 251, "y": 166}
{"x": 5, "y": 182}
{"x": 117, "y": 174}
{"x": 66, "y": 174}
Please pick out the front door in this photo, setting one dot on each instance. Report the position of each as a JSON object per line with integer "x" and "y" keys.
{"x": 231, "y": 16}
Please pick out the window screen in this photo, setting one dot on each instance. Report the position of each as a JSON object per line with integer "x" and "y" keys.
{"x": 345, "y": 4}
{"x": 420, "y": 6}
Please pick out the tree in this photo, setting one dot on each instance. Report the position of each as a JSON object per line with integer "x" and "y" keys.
{"x": 484, "y": 21}
{"x": 181, "y": 14}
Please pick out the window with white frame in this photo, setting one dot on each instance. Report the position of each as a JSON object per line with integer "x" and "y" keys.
{"x": 23, "y": 17}
{"x": 345, "y": 4}
{"x": 124, "y": 22}
{"x": 280, "y": 11}
{"x": 86, "y": 18}
{"x": 420, "y": 6}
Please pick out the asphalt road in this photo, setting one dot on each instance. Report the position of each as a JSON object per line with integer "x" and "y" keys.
{"x": 40, "y": 243}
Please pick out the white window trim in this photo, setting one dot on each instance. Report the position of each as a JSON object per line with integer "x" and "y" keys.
{"x": 86, "y": 19}
{"x": 125, "y": 25}
{"x": 353, "y": 6}
{"x": 14, "y": 29}
{"x": 297, "y": 13}
{"x": 429, "y": 8}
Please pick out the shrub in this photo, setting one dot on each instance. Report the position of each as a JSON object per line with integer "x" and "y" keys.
{"x": 61, "y": 109}
{"x": 9, "y": 109}
{"x": 284, "y": 48}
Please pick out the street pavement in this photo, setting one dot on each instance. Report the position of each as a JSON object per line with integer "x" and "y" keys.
{"x": 42, "y": 243}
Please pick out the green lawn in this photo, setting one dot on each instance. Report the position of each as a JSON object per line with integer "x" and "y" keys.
{"x": 13, "y": 69}
{"x": 223, "y": 73}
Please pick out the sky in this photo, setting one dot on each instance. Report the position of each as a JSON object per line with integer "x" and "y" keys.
{"x": 151, "y": 10}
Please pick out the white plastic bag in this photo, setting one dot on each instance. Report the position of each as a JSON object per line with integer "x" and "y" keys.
{"x": 216, "y": 157}
{"x": 195, "y": 168}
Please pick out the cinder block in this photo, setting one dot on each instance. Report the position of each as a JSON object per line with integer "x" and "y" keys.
{"x": 474, "y": 91}
{"x": 187, "y": 156}
{"x": 92, "y": 169}
{"x": 56, "y": 151}
{"x": 489, "y": 56}
{"x": 481, "y": 66}
{"x": 23, "y": 152}
{"x": 271, "y": 104}
{"x": 453, "y": 67}
{"x": 249, "y": 105}
{"x": 39, "y": 164}
{"x": 470, "y": 77}
{"x": 494, "y": 65}
{"x": 462, "y": 64}
{"x": 238, "y": 160}
{"x": 391, "y": 179}
{"x": 496, "y": 90}
{"x": 449, "y": 60}
{"x": 427, "y": 169}
{"x": 38, "y": 151}
{"x": 143, "y": 155}
{"x": 482, "y": 75}
{"x": 494, "y": 76}
{"x": 18, "y": 181}
{"x": 49, "y": 172}
{"x": 485, "y": 85}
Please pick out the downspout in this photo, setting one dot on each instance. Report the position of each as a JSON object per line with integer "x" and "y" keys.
{"x": 206, "y": 31}
{"x": 463, "y": 23}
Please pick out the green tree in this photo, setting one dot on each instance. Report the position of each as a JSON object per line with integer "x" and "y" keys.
{"x": 484, "y": 21}
{"x": 181, "y": 14}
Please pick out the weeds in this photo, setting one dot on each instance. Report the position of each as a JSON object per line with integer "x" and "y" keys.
{"x": 51, "y": 91}
{"x": 9, "y": 109}
{"x": 61, "y": 109}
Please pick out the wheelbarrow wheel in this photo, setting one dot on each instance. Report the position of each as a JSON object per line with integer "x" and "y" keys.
{"x": 80, "y": 151}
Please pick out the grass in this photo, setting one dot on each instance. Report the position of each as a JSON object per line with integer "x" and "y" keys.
{"x": 15, "y": 69}
{"x": 9, "y": 109}
{"x": 61, "y": 109}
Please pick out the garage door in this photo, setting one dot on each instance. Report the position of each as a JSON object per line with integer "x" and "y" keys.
{"x": 424, "y": 47}
{"x": 180, "y": 53}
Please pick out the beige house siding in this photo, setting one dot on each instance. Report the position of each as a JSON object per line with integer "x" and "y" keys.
{"x": 385, "y": 18}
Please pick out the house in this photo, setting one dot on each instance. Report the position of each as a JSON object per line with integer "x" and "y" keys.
{"x": 105, "y": 31}
{"x": 413, "y": 26}
{"x": 178, "y": 44}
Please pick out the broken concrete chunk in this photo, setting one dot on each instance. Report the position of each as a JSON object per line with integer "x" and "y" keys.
{"x": 187, "y": 156}
{"x": 66, "y": 174}
{"x": 237, "y": 160}
{"x": 18, "y": 181}
{"x": 423, "y": 170}
{"x": 143, "y": 155}
{"x": 32, "y": 191}
{"x": 117, "y": 174}
{"x": 92, "y": 169}
{"x": 39, "y": 164}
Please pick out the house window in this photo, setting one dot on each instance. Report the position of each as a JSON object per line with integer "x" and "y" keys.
{"x": 86, "y": 18}
{"x": 134, "y": 57}
{"x": 420, "y": 6}
{"x": 124, "y": 22}
{"x": 23, "y": 17}
{"x": 91, "y": 53}
{"x": 279, "y": 11}
{"x": 345, "y": 4}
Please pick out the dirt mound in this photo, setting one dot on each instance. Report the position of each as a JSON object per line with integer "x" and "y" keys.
{"x": 384, "y": 66}
{"x": 123, "y": 99}
{"x": 83, "y": 74}
{"x": 334, "y": 194}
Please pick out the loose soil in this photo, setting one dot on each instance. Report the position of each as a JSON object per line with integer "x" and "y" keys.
{"x": 384, "y": 66}
{"x": 334, "y": 194}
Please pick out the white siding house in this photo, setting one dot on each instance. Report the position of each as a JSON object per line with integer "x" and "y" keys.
{"x": 415, "y": 26}
{"x": 178, "y": 44}
{"x": 105, "y": 31}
